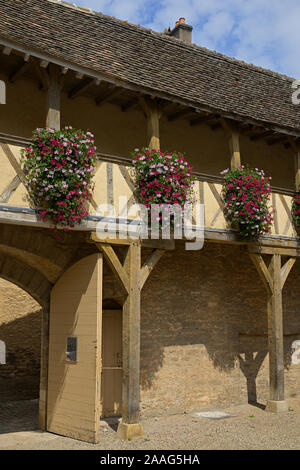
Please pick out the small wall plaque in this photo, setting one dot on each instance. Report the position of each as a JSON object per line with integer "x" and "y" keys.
{"x": 71, "y": 354}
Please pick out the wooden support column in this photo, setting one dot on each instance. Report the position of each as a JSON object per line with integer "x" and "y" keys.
{"x": 130, "y": 426}
{"x": 44, "y": 369}
{"x": 274, "y": 277}
{"x": 296, "y": 150}
{"x": 132, "y": 277}
{"x": 153, "y": 114}
{"x": 233, "y": 137}
{"x": 54, "y": 81}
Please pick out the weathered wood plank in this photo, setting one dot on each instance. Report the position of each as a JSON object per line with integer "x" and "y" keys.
{"x": 13, "y": 161}
{"x": 10, "y": 189}
{"x": 115, "y": 265}
{"x": 53, "y": 97}
{"x": 153, "y": 114}
{"x": 275, "y": 332}
{"x": 286, "y": 269}
{"x": 262, "y": 271}
{"x": 131, "y": 338}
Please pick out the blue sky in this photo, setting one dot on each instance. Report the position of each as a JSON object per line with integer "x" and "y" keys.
{"x": 261, "y": 32}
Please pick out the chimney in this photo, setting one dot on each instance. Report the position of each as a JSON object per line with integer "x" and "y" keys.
{"x": 182, "y": 31}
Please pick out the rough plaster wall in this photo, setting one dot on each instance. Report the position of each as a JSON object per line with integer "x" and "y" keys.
{"x": 204, "y": 341}
{"x": 20, "y": 329}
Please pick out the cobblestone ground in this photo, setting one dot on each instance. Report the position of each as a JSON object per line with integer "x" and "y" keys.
{"x": 250, "y": 428}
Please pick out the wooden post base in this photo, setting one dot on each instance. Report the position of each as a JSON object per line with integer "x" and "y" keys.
{"x": 130, "y": 431}
{"x": 277, "y": 406}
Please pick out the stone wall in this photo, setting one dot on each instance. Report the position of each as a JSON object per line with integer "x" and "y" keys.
{"x": 204, "y": 331}
{"x": 20, "y": 329}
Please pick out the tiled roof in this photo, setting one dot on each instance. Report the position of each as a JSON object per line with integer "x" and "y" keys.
{"x": 150, "y": 60}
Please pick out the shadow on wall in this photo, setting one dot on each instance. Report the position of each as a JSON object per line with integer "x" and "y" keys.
{"x": 204, "y": 326}
{"x": 20, "y": 329}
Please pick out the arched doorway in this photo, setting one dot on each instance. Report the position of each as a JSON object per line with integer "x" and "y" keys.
{"x": 20, "y": 332}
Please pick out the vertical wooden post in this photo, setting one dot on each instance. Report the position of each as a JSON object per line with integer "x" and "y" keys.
{"x": 131, "y": 277}
{"x": 275, "y": 337}
{"x": 54, "y": 85}
{"x": 296, "y": 150}
{"x": 274, "y": 278}
{"x": 130, "y": 426}
{"x": 297, "y": 169}
{"x": 153, "y": 114}
{"x": 44, "y": 369}
{"x": 53, "y": 97}
{"x": 153, "y": 128}
{"x": 233, "y": 137}
{"x": 234, "y": 147}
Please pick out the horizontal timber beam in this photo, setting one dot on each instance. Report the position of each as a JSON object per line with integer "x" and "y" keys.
{"x": 269, "y": 250}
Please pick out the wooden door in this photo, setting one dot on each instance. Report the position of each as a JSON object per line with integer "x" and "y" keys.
{"x": 74, "y": 377}
{"x": 112, "y": 363}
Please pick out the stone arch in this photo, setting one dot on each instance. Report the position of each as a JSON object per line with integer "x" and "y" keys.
{"x": 35, "y": 241}
{"x": 27, "y": 278}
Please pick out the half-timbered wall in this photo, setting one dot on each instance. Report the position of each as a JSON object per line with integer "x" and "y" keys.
{"x": 118, "y": 133}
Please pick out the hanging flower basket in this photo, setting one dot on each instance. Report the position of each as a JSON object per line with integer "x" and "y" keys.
{"x": 59, "y": 167}
{"x": 162, "y": 178}
{"x": 296, "y": 210}
{"x": 246, "y": 193}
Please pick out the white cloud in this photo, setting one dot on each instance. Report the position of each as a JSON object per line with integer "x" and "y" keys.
{"x": 258, "y": 31}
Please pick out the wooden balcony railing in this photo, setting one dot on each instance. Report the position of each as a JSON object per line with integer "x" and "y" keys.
{"x": 113, "y": 180}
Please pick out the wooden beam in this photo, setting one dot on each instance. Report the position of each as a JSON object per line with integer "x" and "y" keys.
{"x": 286, "y": 269}
{"x": 153, "y": 114}
{"x": 205, "y": 119}
{"x": 81, "y": 87}
{"x": 270, "y": 250}
{"x": 275, "y": 333}
{"x": 233, "y": 137}
{"x": 41, "y": 73}
{"x": 115, "y": 265}
{"x": 19, "y": 71}
{"x": 109, "y": 96}
{"x": 130, "y": 427}
{"x": 13, "y": 161}
{"x": 179, "y": 114}
{"x": 149, "y": 265}
{"x": 10, "y": 189}
{"x": 129, "y": 104}
{"x": 7, "y": 50}
{"x": 262, "y": 271}
{"x": 165, "y": 245}
{"x": 274, "y": 278}
{"x": 262, "y": 135}
{"x": 44, "y": 64}
{"x": 55, "y": 82}
{"x": 296, "y": 149}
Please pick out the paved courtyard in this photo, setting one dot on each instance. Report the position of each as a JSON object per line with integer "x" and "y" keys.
{"x": 249, "y": 427}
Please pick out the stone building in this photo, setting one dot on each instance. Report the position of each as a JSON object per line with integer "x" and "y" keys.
{"x": 158, "y": 327}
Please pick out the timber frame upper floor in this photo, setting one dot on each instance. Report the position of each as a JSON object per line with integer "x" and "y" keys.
{"x": 45, "y": 87}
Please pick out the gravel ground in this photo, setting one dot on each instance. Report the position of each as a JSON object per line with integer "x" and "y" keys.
{"x": 250, "y": 428}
